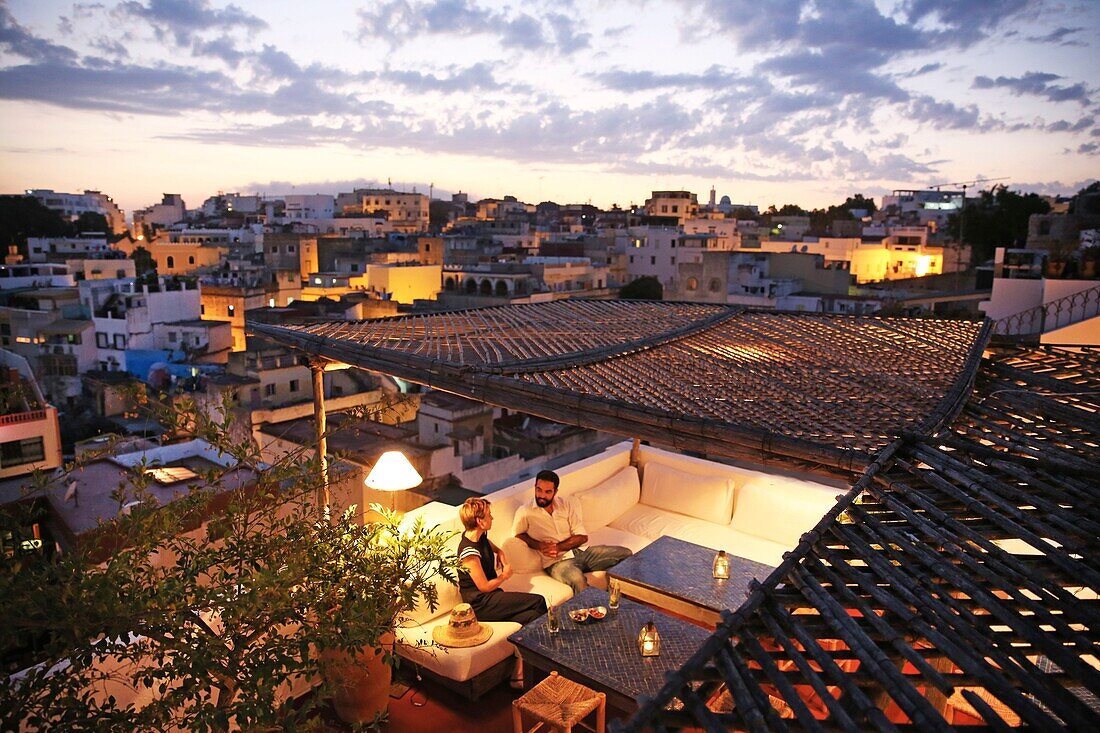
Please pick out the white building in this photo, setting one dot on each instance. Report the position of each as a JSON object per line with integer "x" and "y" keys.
{"x": 13, "y": 277}
{"x": 405, "y": 212}
{"x": 126, "y": 314}
{"x": 655, "y": 252}
{"x": 30, "y": 437}
{"x": 54, "y": 249}
{"x": 72, "y": 205}
{"x": 171, "y": 210}
{"x": 299, "y": 206}
{"x": 682, "y": 205}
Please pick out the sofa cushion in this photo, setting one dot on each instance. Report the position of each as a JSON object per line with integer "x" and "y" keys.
{"x": 781, "y": 509}
{"x": 652, "y": 523}
{"x": 504, "y": 514}
{"x": 521, "y": 557}
{"x": 697, "y": 495}
{"x": 604, "y": 502}
{"x": 449, "y": 597}
{"x": 416, "y": 645}
{"x": 553, "y": 591}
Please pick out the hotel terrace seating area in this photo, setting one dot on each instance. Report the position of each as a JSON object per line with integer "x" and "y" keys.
{"x": 953, "y": 585}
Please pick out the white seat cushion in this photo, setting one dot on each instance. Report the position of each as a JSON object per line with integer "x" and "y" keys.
{"x": 781, "y": 509}
{"x": 539, "y": 582}
{"x": 416, "y": 645}
{"x": 654, "y": 523}
{"x": 708, "y": 497}
{"x": 605, "y": 501}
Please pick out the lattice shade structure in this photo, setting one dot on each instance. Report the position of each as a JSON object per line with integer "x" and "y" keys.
{"x": 709, "y": 378}
{"x": 959, "y": 591}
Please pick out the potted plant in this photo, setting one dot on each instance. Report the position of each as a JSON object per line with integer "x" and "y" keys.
{"x": 394, "y": 568}
{"x": 207, "y": 612}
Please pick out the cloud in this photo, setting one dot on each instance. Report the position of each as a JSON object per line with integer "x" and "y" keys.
{"x": 182, "y": 19}
{"x": 333, "y": 188}
{"x": 926, "y": 69}
{"x": 16, "y": 39}
{"x": 1065, "y": 126}
{"x": 397, "y": 22}
{"x": 944, "y": 115}
{"x": 1088, "y": 149}
{"x": 963, "y": 22}
{"x": 715, "y": 78}
{"x": 223, "y": 48}
{"x": 476, "y": 77}
{"x": 552, "y": 133}
{"x": 1037, "y": 84}
{"x": 1059, "y": 36}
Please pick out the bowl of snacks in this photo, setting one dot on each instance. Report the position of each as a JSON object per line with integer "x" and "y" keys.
{"x": 598, "y": 613}
{"x": 579, "y": 615}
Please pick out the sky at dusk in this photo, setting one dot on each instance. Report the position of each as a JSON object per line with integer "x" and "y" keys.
{"x": 769, "y": 101}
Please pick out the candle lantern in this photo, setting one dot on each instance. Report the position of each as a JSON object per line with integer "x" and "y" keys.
{"x": 722, "y": 565}
{"x": 649, "y": 641}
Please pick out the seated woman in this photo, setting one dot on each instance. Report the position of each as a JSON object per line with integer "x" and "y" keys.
{"x": 488, "y": 569}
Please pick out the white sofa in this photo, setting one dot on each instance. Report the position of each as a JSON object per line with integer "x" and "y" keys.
{"x": 751, "y": 514}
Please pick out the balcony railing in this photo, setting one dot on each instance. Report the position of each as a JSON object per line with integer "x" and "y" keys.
{"x": 21, "y": 417}
{"x": 1049, "y": 316}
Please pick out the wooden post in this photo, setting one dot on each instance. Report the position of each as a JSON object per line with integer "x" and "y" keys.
{"x": 635, "y": 450}
{"x": 317, "y": 368}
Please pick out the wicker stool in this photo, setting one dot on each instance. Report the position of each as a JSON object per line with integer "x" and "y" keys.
{"x": 560, "y": 704}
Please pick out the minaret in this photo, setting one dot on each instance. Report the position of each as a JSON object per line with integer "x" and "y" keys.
{"x": 712, "y": 197}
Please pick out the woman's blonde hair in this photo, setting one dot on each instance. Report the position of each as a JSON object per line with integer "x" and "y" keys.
{"x": 472, "y": 510}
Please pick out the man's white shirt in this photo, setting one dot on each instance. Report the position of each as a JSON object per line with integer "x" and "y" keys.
{"x": 543, "y": 526}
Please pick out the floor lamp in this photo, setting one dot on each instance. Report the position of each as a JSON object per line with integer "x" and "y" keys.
{"x": 393, "y": 473}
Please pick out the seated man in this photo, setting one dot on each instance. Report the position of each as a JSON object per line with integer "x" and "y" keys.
{"x": 554, "y": 528}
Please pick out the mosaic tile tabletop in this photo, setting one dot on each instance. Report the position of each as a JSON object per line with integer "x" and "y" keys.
{"x": 684, "y": 570}
{"x": 606, "y": 652}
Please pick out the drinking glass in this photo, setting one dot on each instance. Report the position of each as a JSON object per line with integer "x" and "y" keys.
{"x": 614, "y": 590}
{"x": 553, "y": 622}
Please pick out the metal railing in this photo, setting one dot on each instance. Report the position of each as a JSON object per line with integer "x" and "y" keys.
{"x": 1058, "y": 313}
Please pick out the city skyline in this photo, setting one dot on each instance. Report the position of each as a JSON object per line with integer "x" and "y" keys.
{"x": 794, "y": 102}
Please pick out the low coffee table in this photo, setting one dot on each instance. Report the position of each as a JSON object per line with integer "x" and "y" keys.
{"x": 603, "y": 655}
{"x": 677, "y": 576}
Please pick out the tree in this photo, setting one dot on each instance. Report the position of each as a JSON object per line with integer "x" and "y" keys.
{"x": 25, "y": 216}
{"x": 644, "y": 288}
{"x": 212, "y": 604}
{"x": 791, "y": 210}
{"x": 997, "y": 219}
{"x": 91, "y": 221}
{"x": 143, "y": 261}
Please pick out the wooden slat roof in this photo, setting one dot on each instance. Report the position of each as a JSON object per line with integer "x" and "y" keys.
{"x": 963, "y": 577}
{"x": 712, "y": 378}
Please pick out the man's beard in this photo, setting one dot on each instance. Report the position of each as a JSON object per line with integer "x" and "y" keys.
{"x": 539, "y": 501}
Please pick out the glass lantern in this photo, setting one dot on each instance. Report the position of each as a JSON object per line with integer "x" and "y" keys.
{"x": 722, "y": 565}
{"x": 649, "y": 641}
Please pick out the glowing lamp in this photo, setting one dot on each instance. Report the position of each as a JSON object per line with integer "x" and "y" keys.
{"x": 722, "y": 565}
{"x": 649, "y": 641}
{"x": 393, "y": 472}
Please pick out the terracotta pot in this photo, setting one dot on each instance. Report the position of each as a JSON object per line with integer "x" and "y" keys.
{"x": 361, "y": 682}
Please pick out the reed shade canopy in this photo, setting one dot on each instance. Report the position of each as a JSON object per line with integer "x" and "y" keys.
{"x": 820, "y": 389}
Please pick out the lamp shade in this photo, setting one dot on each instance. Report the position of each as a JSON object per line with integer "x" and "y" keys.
{"x": 393, "y": 472}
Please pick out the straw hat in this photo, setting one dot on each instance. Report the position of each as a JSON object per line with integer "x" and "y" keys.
{"x": 462, "y": 629}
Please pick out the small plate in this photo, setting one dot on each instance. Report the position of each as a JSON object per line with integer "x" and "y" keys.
{"x": 588, "y": 615}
